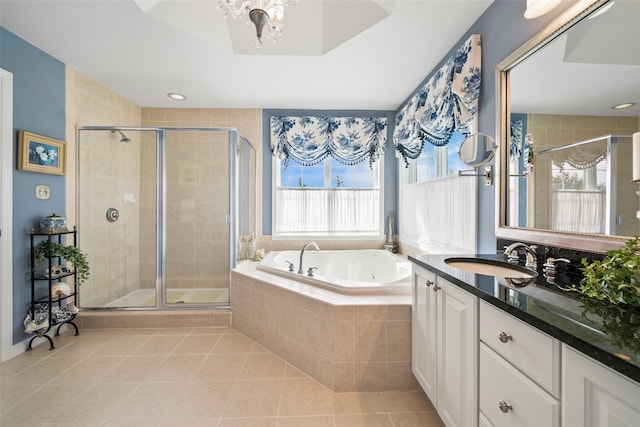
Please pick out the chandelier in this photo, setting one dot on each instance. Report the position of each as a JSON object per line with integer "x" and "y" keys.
{"x": 263, "y": 13}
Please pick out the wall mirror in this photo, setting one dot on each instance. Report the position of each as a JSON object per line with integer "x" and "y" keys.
{"x": 477, "y": 150}
{"x": 565, "y": 154}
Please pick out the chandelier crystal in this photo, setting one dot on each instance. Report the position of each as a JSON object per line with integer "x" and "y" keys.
{"x": 263, "y": 13}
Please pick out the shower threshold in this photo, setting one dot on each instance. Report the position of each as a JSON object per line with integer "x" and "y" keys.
{"x": 147, "y": 297}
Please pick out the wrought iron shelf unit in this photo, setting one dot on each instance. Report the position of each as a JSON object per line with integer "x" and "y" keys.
{"x": 42, "y": 297}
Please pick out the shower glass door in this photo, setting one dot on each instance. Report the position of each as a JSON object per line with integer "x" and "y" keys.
{"x": 117, "y": 199}
{"x": 160, "y": 212}
{"x": 197, "y": 226}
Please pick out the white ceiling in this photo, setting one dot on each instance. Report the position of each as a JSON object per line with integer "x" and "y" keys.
{"x": 368, "y": 54}
{"x": 585, "y": 71}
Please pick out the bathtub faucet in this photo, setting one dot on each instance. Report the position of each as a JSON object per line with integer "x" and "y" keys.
{"x": 302, "y": 254}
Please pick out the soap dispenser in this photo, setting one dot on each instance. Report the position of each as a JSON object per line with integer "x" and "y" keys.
{"x": 390, "y": 245}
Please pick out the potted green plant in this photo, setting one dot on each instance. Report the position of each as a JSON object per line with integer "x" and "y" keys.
{"x": 71, "y": 254}
{"x": 615, "y": 279}
{"x": 611, "y": 290}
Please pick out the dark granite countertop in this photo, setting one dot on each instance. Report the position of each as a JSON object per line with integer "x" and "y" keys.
{"x": 546, "y": 304}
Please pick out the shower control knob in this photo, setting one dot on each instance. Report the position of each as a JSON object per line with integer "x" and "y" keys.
{"x": 112, "y": 214}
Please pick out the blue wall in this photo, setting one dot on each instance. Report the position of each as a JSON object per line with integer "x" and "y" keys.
{"x": 39, "y": 107}
{"x": 503, "y": 29}
{"x": 522, "y": 183}
{"x": 390, "y": 163}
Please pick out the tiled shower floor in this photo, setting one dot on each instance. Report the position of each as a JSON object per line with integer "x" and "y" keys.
{"x": 189, "y": 377}
{"x": 146, "y": 297}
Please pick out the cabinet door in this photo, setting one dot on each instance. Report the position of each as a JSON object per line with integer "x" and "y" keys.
{"x": 457, "y": 386}
{"x": 596, "y": 396}
{"x": 483, "y": 421}
{"x": 423, "y": 332}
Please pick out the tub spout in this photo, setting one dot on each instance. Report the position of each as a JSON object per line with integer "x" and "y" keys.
{"x": 300, "y": 271}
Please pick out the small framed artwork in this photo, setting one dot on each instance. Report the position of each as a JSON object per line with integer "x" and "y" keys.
{"x": 38, "y": 153}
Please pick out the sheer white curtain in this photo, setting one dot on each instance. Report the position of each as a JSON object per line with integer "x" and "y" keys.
{"x": 327, "y": 211}
{"x": 439, "y": 216}
{"x": 578, "y": 211}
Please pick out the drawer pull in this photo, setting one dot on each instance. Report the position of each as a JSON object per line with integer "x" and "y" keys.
{"x": 429, "y": 283}
{"x": 436, "y": 288}
{"x": 504, "y": 337}
{"x": 504, "y": 406}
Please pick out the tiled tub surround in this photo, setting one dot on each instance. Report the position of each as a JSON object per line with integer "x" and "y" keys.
{"x": 347, "y": 343}
{"x": 543, "y": 306}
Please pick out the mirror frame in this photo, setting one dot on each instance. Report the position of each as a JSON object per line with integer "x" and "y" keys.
{"x": 579, "y": 241}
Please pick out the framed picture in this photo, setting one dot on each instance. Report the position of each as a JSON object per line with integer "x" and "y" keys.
{"x": 37, "y": 153}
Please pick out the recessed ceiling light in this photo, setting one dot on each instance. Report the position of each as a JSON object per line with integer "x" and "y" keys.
{"x": 623, "y": 105}
{"x": 176, "y": 96}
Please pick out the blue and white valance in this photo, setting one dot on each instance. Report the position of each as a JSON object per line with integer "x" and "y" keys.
{"x": 309, "y": 140}
{"x": 515, "y": 148}
{"x": 447, "y": 102}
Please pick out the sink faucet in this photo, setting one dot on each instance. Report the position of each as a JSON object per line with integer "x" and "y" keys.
{"x": 302, "y": 253}
{"x": 530, "y": 251}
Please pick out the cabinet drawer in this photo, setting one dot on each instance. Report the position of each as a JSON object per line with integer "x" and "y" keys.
{"x": 533, "y": 352}
{"x": 510, "y": 399}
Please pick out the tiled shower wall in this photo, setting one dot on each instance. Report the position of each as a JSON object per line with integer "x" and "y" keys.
{"x": 197, "y": 201}
{"x": 194, "y": 236}
{"x": 198, "y": 192}
{"x": 112, "y": 248}
{"x": 550, "y": 131}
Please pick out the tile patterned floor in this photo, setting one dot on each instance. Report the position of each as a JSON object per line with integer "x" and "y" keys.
{"x": 191, "y": 377}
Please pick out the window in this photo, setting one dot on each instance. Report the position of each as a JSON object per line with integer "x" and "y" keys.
{"x": 327, "y": 199}
{"x": 578, "y": 198}
{"x": 436, "y": 162}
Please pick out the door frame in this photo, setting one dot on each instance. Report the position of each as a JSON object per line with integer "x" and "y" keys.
{"x": 7, "y": 349}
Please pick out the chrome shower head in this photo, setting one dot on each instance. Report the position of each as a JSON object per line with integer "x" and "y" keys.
{"x": 125, "y": 139}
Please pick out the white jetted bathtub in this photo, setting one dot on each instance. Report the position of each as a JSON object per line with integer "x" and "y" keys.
{"x": 345, "y": 271}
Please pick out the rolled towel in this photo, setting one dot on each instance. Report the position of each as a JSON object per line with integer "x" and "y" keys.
{"x": 60, "y": 289}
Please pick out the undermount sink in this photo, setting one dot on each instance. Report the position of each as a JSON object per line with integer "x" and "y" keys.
{"x": 490, "y": 267}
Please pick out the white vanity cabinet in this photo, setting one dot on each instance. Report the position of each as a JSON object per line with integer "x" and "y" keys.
{"x": 424, "y": 343}
{"x": 594, "y": 395}
{"x": 444, "y": 347}
{"x": 485, "y": 363}
{"x": 519, "y": 372}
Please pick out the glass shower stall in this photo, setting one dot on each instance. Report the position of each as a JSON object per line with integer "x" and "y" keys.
{"x": 160, "y": 212}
